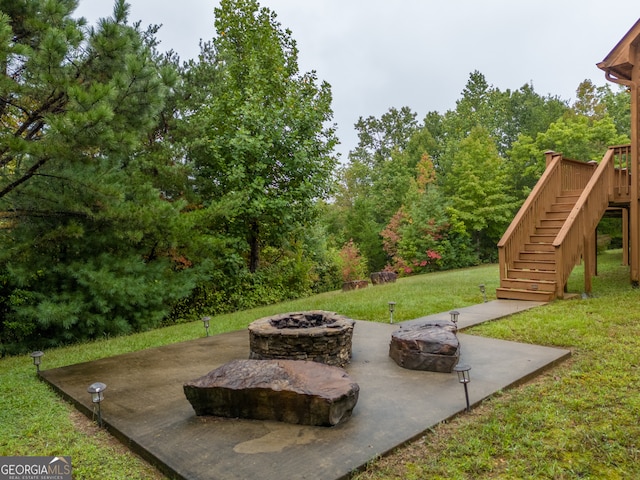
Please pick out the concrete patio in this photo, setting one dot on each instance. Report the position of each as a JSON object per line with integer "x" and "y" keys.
{"x": 145, "y": 406}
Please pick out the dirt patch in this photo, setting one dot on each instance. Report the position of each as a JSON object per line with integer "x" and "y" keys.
{"x": 85, "y": 426}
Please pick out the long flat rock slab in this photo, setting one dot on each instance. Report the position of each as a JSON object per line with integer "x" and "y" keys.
{"x": 292, "y": 391}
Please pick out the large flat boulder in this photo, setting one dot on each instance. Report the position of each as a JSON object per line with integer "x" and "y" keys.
{"x": 432, "y": 346}
{"x": 292, "y": 391}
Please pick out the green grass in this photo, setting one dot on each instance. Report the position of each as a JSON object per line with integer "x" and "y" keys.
{"x": 579, "y": 420}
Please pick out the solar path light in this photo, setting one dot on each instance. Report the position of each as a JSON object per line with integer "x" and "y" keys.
{"x": 483, "y": 291}
{"x": 37, "y": 359}
{"x": 205, "y": 321}
{"x": 464, "y": 379}
{"x": 392, "y": 308}
{"x": 454, "y": 317}
{"x": 97, "y": 396}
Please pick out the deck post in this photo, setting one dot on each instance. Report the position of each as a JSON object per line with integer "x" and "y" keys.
{"x": 548, "y": 157}
{"x": 634, "y": 220}
{"x": 588, "y": 262}
{"x": 625, "y": 237}
{"x": 560, "y": 284}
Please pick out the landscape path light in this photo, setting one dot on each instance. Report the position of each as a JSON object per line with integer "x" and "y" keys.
{"x": 392, "y": 308}
{"x": 464, "y": 379}
{"x": 37, "y": 359}
{"x": 483, "y": 291}
{"x": 97, "y": 396}
{"x": 205, "y": 321}
{"x": 454, "y": 317}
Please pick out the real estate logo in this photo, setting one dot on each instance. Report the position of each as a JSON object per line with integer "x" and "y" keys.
{"x": 35, "y": 468}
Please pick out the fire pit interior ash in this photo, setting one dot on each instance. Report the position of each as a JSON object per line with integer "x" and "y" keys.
{"x": 303, "y": 320}
{"x": 319, "y": 336}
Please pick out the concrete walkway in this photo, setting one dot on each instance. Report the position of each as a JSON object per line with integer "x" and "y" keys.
{"x": 475, "y": 314}
{"x": 146, "y": 409}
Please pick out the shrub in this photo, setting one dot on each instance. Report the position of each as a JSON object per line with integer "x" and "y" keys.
{"x": 353, "y": 263}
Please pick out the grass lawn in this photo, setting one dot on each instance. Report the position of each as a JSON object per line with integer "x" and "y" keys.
{"x": 579, "y": 420}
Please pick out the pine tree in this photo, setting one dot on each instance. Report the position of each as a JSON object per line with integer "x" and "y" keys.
{"x": 87, "y": 239}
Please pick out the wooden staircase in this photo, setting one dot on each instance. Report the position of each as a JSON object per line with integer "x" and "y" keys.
{"x": 556, "y": 226}
{"x": 533, "y": 275}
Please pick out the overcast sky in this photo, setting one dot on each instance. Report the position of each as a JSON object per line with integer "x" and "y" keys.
{"x": 378, "y": 54}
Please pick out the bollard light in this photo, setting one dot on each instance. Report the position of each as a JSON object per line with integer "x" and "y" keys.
{"x": 97, "y": 396}
{"x": 37, "y": 359}
{"x": 483, "y": 291}
{"x": 464, "y": 379}
{"x": 205, "y": 321}
{"x": 454, "y": 317}
{"x": 392, "y": 308}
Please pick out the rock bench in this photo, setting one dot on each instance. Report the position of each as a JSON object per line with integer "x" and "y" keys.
{"x": 431, "y": 346}
{"x": 379, "y": 278}
{"x": 292, "y": 391}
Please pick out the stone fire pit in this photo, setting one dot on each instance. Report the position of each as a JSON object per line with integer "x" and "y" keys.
{"x": 319, "y": 336}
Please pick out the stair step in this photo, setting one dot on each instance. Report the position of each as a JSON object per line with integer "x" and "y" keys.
{"x": 547, "y": 231}
{"x": 547, "y": 266}
{"x": 515, "y": 294}
{"x": 551, "y": 222}
{"x": 566, "y": 202}
{"x": 539, "y": 247}
{"x": 557, "y": 214}
{"x": 528, "y": 284}
{"x": 542, "y": 238}
{"x": 537, "y": 256}
{"x": 561, "y": 207}
{"x": 524, "y": 274}
{"x": 570, "y": 194}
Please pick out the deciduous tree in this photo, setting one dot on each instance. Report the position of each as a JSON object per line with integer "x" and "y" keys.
{"x": 257, "y": 130}
{"x": 477, "y": 189}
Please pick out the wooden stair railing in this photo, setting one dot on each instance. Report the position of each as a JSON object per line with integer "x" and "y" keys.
{"x": 548, "y": 236}
{"x": 523, "y": 225}
{"x": 533, "y": 274}
{"x": 577, "y": 236}
{"x": 526, "y": 270}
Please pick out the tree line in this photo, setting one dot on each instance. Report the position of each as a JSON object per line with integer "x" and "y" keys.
{"x": 137, "y": 190}
{"x": 419, "y": 196}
